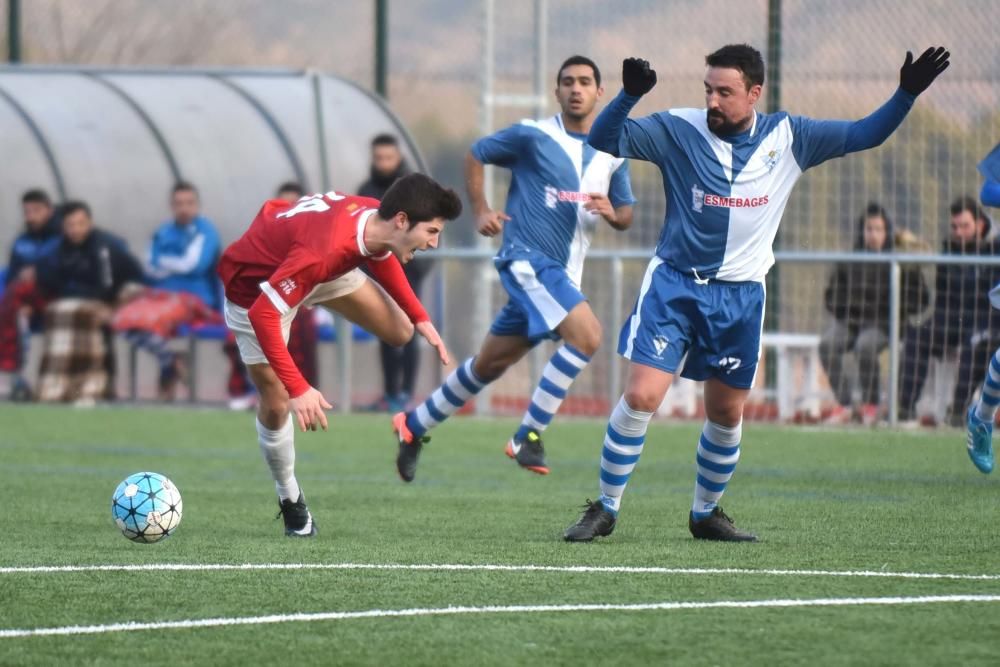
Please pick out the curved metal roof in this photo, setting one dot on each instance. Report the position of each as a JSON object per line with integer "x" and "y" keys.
{"x": 119, "y": 138}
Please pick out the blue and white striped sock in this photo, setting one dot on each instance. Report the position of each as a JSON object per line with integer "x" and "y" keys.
{"x": 718, "y": 453}
{"x": 986, "y": 409}
{"x": 622, "y": 446}
{"x": 559, "y": 373}
{"x": 446, "y": 400}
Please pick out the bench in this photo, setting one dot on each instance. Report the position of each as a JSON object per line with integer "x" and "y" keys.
{"x": 789, "y": 397}
{"x": 326, "y": 332}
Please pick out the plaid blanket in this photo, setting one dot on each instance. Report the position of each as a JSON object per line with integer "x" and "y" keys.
{"x": 77, "y": 359}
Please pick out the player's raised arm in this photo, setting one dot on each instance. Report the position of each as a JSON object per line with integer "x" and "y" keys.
{"x": 613, "y": 132}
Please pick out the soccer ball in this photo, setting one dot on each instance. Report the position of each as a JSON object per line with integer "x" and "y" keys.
{"x": 146, "y": 507}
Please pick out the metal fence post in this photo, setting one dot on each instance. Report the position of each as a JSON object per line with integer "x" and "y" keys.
{"x": 614, "y": 361}
{"x": 894, "y": 303}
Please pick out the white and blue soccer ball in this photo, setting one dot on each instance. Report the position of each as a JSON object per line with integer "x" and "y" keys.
{"x": 146, "y": 507}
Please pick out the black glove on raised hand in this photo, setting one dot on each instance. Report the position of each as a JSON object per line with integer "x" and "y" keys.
{"x": 637, "y": 78}
{"x": 916, "y": 76}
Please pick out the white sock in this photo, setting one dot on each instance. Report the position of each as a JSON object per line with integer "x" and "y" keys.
{"x": 278, "y": 448}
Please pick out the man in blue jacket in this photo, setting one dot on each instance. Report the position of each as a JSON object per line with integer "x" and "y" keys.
{"x": 185, "y": 250}
{"x": 182, "y": 258}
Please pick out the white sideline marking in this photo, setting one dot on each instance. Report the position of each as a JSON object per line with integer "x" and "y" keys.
{"x": 512, "y": 609}
{"x": 461, "y": 567}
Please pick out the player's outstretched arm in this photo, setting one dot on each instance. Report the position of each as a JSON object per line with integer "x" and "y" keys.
{"x": 612, "y": 131}
{"x": 914, "y": 78}
{"x": 431, "y": 335}
{"x": 308, "y": 410}
{"x": 306, "y": 402}
{"x": 488, "y": 221}
{"x": 389, "y": 274}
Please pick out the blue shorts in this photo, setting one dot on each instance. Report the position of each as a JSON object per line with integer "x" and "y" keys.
{"x": 541, "y": 295}
{"x": 715, "y": 325}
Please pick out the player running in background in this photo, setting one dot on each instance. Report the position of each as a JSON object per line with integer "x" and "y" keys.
{"x": 727, "y": 171}
{"x": 308, "y": 253}
{"x": 979, "y": 442}
{"x": 560, "y": 190}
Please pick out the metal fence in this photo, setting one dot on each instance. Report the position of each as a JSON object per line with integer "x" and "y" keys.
{"x": 611, "y": 279}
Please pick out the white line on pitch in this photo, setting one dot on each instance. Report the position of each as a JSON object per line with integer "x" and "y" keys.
{"x": 512, "y": 609}
{"x": 461, "y": 567}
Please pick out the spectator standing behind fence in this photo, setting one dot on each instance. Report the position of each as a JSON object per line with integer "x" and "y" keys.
{"x": 399, "y": 364}
{"x": 21, "y": 305}
{"x": 181, "y": 266}
{"x": 961, "y": 311}
{"x": 979, "y": 420}
{"x": 857, "y": 297}
{"x": 84, "y": 276}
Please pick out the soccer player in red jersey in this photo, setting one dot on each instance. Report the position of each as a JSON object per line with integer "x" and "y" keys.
{"x": 309, "y": 253}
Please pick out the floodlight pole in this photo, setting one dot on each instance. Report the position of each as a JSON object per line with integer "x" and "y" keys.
{"x": 13, "y": 31}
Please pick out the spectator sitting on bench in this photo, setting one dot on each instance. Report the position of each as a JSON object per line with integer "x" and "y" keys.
{"x": 181, "y": 270}
{"x": 21, "y": 305}
{"x": 857, "y": 297}
{"x": 961, "y": 313}
{"x": 84, "y": 277}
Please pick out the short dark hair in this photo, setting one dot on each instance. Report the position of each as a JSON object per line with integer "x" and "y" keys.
{"x": 421, "y": 198}
{"x": 743, "y": 57}
{"x": 292, "y": 186}
{"x": 74, "y": 206}
{"x": 385, "y": 139}
{"x": 36, "y": 196}
{"x": 968, "y": 203}
{"x": 579, "y": 60}
{"x": 184, "y": 186}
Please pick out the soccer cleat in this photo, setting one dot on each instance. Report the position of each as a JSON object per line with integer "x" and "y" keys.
{"x": 596, "y": 521}
{"x": 980, "y": 441}
{"x": 719, "y": 527}
{"x": 298, "y": 520}
{"x": 409, "y": 447}
{"x": 529, "y": 453}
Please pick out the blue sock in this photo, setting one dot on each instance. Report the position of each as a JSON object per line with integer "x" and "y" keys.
{"x": 446, "y": 400}
{"x": 623, "y": 444}
{"x": 718, "y": 453}
{"x": 559, "y": 373}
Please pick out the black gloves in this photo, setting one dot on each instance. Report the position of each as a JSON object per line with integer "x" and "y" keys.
{"x": 637, "y": 78}
{"x": 915, "y": 77}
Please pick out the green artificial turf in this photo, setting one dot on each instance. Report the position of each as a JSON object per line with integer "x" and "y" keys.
{"x": 820, "y": 500}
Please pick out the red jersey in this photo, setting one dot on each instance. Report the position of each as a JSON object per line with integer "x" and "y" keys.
{"x": 288, "y": 251}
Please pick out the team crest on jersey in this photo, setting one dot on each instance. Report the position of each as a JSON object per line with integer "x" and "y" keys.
{"x": 697, "y": 198}
{"x": 287, "y": 286}
{"x": 771, "y": 159}
{"x": 660, "y": 344}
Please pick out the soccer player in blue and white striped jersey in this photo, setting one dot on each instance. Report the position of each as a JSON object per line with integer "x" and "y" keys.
{"x": 979, "y": 419}
{"x": 561, "y": 189}
{"x": 727, "y": 171}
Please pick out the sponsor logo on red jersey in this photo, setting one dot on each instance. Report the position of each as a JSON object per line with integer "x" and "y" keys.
{"x": 287, "y": 286}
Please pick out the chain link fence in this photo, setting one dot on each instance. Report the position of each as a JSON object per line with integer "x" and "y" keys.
{"x": 837, "y": 60}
